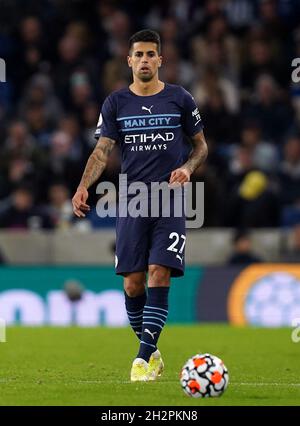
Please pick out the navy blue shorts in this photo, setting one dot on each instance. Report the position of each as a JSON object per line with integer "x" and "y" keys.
{"x": 144, "y": 241}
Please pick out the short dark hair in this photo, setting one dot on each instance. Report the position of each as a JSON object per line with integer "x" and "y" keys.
{"x": 146, "y": 36}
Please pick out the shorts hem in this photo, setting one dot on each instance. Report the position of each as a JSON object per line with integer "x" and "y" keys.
{"x": 175, "y": 272}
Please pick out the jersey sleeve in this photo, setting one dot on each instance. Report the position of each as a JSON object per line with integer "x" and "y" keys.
{"x": 191, "y": 119}
{"x": 107, "y": 123}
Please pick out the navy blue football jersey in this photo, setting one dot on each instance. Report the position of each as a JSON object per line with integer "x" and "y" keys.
{"x": 150, "y": 130}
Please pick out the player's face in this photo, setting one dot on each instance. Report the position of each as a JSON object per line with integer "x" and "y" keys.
{"x": 144, "y": 60}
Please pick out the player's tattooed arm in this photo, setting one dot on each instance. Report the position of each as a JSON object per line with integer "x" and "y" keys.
{"x": 196, "y": 158}
{"x": 199, "y": 153}
{"x": 93, "y": 170}
{"x": 97, "y": 162}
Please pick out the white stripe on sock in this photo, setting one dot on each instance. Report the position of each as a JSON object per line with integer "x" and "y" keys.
{"x": 153, "y": 307}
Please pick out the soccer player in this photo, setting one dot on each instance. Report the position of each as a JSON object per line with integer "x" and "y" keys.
{"x": 148, "y": 120}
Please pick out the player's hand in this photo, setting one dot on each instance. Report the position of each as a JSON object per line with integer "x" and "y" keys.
{"x": 79, "y": 202}
{"x": 180, "y": 176}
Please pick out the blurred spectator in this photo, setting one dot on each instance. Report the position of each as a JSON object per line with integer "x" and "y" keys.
{"x": 270, "y": 19}
{"x": 242, "y": 250}
{"x": 176, "y": 69}
{"x": 217, "y": 48}
{"x": 210, "y": 10}
{"x": 240, "y": 14}
{"x": 21, "y": 159}
{"x": 213, "y": 194}
{"x": 214, "y": 111}
{"x": 267, "y": 108}
{"x": 209, "y": 83}
{"x": 80, "y": 31}
{"x": 31, "y": 52}
{"x": 69, "y": 58}
{"x": 289, "y": 172}
{"x": 240, "y": 163}
{"x": 60, "y": 206}
{"x": 253, "y": 204}
{"x": 21, "y": 213}
{"x": 265, "y": 155}
{"x": 76, "y": 73}
{"x": 35, "y": 115}
{"x": 19, "y": 142}
{"x": 116, "y": 72}
{"x": 61, "y": 163}
{"x": 261, "y": 60}
{"x": 90, "y": 117}
{"x": 169, "y": 33}
{"x": 70, "y": 125}
{"x": 292, "y": 251}
{"x": 39, "y": 92}
{"x": 290, "y": 215}
{"x": 118, "y": 27}
{"x": 80, "y": 91}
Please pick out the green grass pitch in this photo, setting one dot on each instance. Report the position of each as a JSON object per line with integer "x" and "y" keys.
{"x": 90, "y": 366}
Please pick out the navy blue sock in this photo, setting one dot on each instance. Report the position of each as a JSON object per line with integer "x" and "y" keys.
{"x": 134, "y": 307}
{"x": 154, "y": 318}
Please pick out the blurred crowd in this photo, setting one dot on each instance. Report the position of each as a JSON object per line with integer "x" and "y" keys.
{"x": 64, "y": 57}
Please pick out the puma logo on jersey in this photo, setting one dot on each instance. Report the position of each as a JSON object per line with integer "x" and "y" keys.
{"x": 148, "y": 109}
{"x": 149, "y": 332}
{"x": 180, "y": 258}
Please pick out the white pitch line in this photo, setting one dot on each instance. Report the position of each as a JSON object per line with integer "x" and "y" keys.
{"x": 125, "y": 382}
{"x": 119, "y": 382}
{"x": 264, "y": 384}
{"x": 175, "y": 381}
